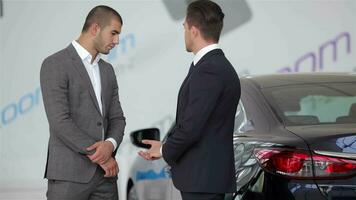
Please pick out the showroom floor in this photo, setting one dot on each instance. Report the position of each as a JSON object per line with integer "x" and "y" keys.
{"x": 23, "y": 194}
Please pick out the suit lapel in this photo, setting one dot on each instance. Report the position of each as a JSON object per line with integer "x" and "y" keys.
{"x": 191, "y": 69}
{"x": 186, "y": 78}
{"x": 79, "y": 66}
{"x": 104, "y": 85}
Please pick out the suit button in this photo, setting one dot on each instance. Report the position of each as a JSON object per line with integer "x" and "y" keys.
{"x": 99, "y": 123}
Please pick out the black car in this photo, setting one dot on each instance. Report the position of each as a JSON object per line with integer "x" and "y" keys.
{"x": 294, "y": 138}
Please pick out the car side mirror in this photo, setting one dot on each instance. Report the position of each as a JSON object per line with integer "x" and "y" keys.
{"x": 144, "y": 134}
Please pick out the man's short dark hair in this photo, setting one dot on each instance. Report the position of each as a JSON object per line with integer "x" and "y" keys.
{"x": 207, "y": 16}
{"x": 101, "y": 15}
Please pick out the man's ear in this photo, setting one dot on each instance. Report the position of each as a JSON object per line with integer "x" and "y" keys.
{"x": 94, "y": 29}
{"x": 195, "y": 31}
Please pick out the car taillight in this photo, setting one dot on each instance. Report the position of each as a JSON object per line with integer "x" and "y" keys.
{"x": 298, "y": 164}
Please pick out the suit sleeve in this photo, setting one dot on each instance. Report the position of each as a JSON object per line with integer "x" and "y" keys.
{"x": 205, "y": 87}
{"x": 116, "y": 118}
{"x": 54, "y": 86}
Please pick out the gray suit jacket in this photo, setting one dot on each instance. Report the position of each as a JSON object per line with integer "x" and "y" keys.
{"x": 73, "y": 114}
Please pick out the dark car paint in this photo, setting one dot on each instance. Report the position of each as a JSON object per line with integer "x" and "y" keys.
{"x": 270, "y": 131}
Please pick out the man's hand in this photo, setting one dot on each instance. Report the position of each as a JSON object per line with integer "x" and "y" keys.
{"x": 111, "y": 167}
{"x": 154, "y": 152}
{"x": 103, "y": 151}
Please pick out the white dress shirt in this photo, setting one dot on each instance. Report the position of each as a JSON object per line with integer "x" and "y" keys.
{"x": 201, "y": 53}
{"x": 94, "y": 75}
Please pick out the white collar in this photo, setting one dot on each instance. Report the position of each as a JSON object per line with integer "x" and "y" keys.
{"x": 204, "y": 51}
{"x": 84, "y": 54}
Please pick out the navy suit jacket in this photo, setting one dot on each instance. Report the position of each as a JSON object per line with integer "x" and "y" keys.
{"x": 199, "y": 148}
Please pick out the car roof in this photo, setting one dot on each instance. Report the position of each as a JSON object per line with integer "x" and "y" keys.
{"x": 277, "y": 80}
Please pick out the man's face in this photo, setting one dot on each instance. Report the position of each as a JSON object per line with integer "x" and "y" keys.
{"x": 108, "y": 37}
{"x": 188, "y": 37}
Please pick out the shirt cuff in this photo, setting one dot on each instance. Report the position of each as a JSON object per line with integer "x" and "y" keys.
{"x": 112, "y": 140}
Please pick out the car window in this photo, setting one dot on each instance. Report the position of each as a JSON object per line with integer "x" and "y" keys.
{"x": 240, "y": 119}
{"x": 314, "y": 104}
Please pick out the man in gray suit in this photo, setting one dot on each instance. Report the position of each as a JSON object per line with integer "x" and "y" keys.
{"x": 86, "y": 122}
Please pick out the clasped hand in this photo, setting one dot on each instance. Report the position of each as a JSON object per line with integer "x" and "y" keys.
{"x": 103, "y": 157}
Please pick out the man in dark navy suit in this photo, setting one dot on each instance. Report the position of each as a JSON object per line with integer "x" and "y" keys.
{"x": 199, "y": 148}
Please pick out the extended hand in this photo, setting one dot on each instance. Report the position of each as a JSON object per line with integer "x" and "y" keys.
{"x": 111, "y": 167}
{"x": 103, "y": 151}
{"x": 154, "y": 152}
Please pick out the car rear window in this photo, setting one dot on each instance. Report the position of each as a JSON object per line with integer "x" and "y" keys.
{"x": 311, "y": 104}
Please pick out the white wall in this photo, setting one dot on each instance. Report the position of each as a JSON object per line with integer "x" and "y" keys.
{"x": 272, "y": 36}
